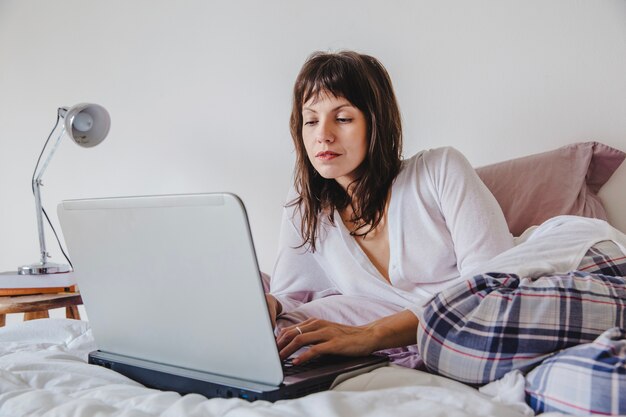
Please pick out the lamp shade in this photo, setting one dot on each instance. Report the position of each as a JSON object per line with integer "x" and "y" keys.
{"x": 87, "y": 124}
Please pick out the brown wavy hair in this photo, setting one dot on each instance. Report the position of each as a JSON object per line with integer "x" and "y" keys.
{"x": 364, "y": 82}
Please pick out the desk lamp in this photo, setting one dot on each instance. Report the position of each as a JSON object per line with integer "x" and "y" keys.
{"x": 87, "y": 124}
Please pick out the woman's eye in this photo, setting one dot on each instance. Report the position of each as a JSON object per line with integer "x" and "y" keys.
{"x": 344, "y": 119}
{"x": 310, "y": 122}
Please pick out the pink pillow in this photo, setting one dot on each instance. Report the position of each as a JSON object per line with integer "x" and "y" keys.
{"x": 566, "y": 180}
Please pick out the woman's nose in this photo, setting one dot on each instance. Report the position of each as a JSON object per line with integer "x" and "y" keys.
{"x": 324, "y": 132}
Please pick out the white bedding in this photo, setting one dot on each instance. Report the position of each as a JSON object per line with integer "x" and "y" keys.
{"x": 43, "y": 372}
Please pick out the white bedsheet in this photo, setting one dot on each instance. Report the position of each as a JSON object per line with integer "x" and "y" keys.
{"x": 43, "y": 372}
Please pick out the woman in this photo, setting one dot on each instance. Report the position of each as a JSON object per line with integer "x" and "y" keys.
{"x": 364, "y": 224}
{"x": 399, "y": 252}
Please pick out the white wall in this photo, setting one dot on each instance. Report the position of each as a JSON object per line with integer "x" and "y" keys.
{"x": 199, "y": 91}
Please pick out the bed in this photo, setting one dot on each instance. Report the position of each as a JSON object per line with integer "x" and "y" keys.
{"x": 43, "y": 369}
{"x": 43, "y": 372}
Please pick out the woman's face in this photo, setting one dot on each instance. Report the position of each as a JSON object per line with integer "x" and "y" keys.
{"x": 335, "y": 137}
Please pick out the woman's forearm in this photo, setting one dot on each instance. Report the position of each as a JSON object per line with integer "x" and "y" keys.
{"x": 326, "y": 337}
{"x": 397, "y": 330}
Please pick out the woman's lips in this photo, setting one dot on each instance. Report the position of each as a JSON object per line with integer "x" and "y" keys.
{"x": 327, "y": 155}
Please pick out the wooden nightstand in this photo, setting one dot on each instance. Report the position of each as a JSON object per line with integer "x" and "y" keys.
{"x": 37, "y": 306}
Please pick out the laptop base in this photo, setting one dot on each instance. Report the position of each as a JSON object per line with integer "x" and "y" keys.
{"x": 185, "y": 381}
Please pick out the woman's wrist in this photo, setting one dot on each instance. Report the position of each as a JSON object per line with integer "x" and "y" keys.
{"x": 397, "y": 330}
{"x": 375, "y": 336}
{"x": 277, "y": 306}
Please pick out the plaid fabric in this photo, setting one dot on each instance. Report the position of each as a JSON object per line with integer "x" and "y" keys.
{"x": 604, "y": 258}
{"x": 584, "y": 379}
{"x": 479, "y": 330}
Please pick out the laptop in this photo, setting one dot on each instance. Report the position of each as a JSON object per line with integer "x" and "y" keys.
{"x": 175, "y": 300}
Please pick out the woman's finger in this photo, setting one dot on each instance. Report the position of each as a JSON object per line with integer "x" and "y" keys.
{"x": 296, "y": 343}
{"x": 304, "y": 339}
{"x": 306, "y": 325}
{"x": 287, "y": 334}
{"x": 314, "y": 352}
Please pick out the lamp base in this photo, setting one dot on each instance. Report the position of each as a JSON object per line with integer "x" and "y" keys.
{"x": 43, "y": 269}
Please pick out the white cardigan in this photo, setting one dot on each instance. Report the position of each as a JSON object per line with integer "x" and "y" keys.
{"x": 443, "y": 223}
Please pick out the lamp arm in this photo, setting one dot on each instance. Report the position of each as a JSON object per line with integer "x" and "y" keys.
{"x": 41, "y": 168}
{"x": 37, "y": 184}
{"x": 42, "y": 237}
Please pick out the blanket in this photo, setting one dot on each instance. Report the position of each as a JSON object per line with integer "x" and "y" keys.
{"x": 493, "y": 323}
{"x": 43, "y": 371}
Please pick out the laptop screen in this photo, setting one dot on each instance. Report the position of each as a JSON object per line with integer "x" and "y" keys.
{"x": 173, "y": 279}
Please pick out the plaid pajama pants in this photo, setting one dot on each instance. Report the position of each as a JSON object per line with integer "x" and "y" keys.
{"x": 479, "y": 330}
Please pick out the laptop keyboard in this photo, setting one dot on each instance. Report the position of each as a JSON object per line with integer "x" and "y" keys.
{"x": 290, "y": 369}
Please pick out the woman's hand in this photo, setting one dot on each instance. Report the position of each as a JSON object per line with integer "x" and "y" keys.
{"x": 325, "y": 337}
{"x": 274, "y": 308}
